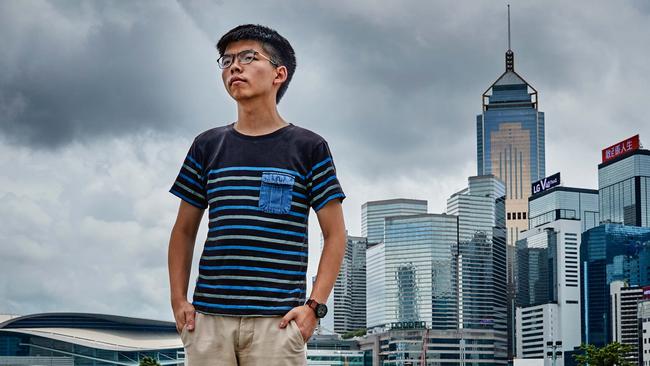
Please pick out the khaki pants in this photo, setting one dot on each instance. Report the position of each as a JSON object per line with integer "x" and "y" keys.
{"x": 246, "y": 341}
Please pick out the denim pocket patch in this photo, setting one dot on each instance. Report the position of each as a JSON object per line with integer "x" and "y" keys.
{"x": 275, "y": 192}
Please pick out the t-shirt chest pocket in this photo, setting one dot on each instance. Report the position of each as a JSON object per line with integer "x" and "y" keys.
{"x": 275, "y": 192}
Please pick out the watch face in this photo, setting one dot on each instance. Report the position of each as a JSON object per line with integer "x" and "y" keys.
{"x": 321, "y": 310}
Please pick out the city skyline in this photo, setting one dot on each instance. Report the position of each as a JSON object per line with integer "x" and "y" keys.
{"x": 64, "y": 194}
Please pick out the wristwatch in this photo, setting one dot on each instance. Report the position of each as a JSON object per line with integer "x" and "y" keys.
{"x": 319, "y": 309}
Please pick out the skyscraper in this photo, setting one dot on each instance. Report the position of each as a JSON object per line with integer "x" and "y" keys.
{"x": 510, "y": 141}
{"x": 350, "y": 288}
{"x": 481, "y": 258}
{"x": 547, "y": 269}
{"x": 624, "y": 302}
{"x": 419, "y": 280}
{"x": 609, "y": 252}
{"x": 624, "y": 189}
{"x": 376, "y": 285}
{"x": 373, "y": 214}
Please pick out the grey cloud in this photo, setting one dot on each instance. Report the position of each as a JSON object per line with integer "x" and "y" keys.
{"x": 92, "y": 70}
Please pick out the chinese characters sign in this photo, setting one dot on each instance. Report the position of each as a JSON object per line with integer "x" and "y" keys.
{"x": 621, "y": 148}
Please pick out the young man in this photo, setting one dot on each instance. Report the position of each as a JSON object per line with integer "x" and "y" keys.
{"x": 259, "y": 177}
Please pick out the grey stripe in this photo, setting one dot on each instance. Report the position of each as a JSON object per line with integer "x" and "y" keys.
{"x": 256, "y": 259}
{"x": 258, "y": 218}
{"x": 250, "y": 278}
{"x": 260, "y": 238}
{"x": 193, "y": 171}
{"x": 248, "y": 178}
{"x": 221, "y": 198}
{"x": 299, "y": 205}
{"x": 233, "y": 178}
{"x": 190, "y": 190}
{"x": 204, "y": 294}
{"x": 325, "y": 191}
{"x": 321, "y": 173}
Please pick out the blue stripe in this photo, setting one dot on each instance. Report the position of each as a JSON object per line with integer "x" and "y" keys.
{"x": 195, "y": 162}
{"x": 259, "y": 228}
{"x": 314, "y": 189}
{"x": 228, "y": 188}
{"x": 251, "y": 288}
{"x": 299, "y": 195}
{"x": 254, "y": 208}
{"x": 194, "y": 203}
{"x": 329, "y": 199}
{"x": 201, "y": 303}
{"x": 187, "y": 178}
{"x": 327, "y": 160}
{"x": 259, "y": 269}
{"x": 256, "y": 169}
{"x": 257, "y": 249}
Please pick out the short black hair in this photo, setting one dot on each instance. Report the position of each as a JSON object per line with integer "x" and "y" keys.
{"x": 278, "y": 48}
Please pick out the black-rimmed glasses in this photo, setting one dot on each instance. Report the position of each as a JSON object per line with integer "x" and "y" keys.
{"x": 244, "y": 57}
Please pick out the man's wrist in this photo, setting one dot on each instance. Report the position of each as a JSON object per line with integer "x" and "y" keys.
{"x": 176, "y": 300}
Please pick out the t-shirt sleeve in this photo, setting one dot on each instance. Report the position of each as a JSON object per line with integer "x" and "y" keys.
{"x": 322, "y": 183}
{"x": 190, "y": 183}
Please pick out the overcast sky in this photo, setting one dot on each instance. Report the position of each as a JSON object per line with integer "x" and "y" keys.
{"x": 99, "y": 102}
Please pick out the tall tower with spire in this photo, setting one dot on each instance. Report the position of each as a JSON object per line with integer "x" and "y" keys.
{"x": 510, "y": 140}
{"x": 510, "y": 145}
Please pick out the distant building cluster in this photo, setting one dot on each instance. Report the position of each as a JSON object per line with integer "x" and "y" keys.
{"x": 518, "y": 269}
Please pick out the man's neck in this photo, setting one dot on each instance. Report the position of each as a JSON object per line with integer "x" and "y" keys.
{"x": 258, "y": 118}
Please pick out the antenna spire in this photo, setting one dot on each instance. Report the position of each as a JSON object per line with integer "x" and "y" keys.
{"x": 509, "y": 26}
{"x": 510, "y": 56}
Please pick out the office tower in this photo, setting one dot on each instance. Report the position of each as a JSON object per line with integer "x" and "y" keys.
{"x": 376, "y": 285}
{"x": 350, "y": 288}
{"x": 373, "y": 214}
{"x": 564, "y": 203}
{"x": 624, "y": 312}
{"x": 624, "y": 187}
{"x": 547, "y": 273}
{"x": 609, "y": 252}
{"x": 481, "y": 257}
{"x": 536, "y": 325}
{"x": 547, "y": 279}
{"x": 510, "y": 141}
{"x": 419, "y": 267}
{"x": 643, "y": 317}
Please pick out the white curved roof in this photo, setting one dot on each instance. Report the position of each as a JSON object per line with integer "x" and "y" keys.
{"x": 114, "y": 340}
{"x": 101, "y": 331}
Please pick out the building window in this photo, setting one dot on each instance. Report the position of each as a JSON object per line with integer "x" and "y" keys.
{"x": 518, "y": 215}
{"x": 524, "y": 215}
{"x": 508, "y": 215}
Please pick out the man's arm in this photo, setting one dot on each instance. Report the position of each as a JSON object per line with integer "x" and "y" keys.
{"x": 181, "y": 249}
{"x": 330, "y": 219}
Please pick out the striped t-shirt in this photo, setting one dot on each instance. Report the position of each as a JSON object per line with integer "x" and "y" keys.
{"x": 258, "y": 190}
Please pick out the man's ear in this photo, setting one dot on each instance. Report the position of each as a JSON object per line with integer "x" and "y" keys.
{"x": 281, "y": 76}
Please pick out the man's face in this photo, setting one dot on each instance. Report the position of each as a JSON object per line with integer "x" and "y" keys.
{"x": 250, "y": 80}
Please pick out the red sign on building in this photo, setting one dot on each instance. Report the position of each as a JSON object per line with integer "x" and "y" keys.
{"x": 646, "y": 292}
{"x": 621, "y": 148}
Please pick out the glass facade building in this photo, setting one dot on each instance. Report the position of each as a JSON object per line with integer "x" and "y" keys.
{"x": 510, "y": 142}
{"x": 419, "y": 269}
{"x": 376, "y": 286}
{"x": 624, "y": 189}
{"x": 564, "y": 203}
{"x": 608, "y": 253}
{"x": 373, "y": 214}
{"x": 350, "y": 288}
{"x": 481, "y": 258}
